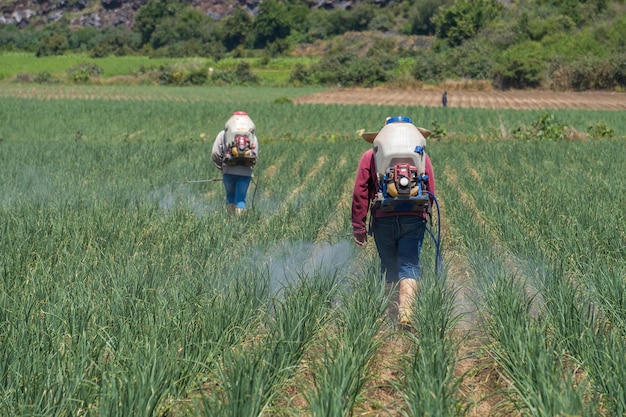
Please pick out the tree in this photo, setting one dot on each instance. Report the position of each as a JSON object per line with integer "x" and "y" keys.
{"x": 117, "y": 41}
{"x": 464, "y": 19}
{"x": 361, "y": 16}
{"x": 323, "y": 24}
{"x": 56, "y": 44}
{"x": 83, "y": 38}
{"x": 272, "y": 23}
{"x": 344, "y": 67}
{"x": 521, "y": 66}
{"x": 420, "y": 16}
{"x": 151, "y": 14}
{"x": 187, "y": 24}
{"x": 235, "y": 29}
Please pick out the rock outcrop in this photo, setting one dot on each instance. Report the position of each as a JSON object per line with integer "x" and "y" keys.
{"x": 104, "y": 13}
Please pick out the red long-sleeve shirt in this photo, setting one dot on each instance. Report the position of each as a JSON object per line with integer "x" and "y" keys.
{"x": 366, "y": 186}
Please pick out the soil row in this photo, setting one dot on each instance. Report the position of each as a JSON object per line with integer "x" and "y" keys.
{"x": 477, "y": 99}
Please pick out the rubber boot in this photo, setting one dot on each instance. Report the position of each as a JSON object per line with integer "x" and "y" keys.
{"x": 230, "y": 209}
{"x": 408, "y": 291}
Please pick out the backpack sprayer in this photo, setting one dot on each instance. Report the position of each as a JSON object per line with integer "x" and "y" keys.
{"x": 238, "y": 148}
{"x": 400, "y": 159}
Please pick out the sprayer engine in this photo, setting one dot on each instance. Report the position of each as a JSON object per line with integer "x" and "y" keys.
{"x": 241, "y": 146}
{"x": 239, "y": 152}
{"x": 402, "y": 180}
{"x": 403, "y": 188}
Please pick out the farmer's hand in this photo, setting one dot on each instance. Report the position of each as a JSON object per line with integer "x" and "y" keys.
{"x": 360, "y": 238}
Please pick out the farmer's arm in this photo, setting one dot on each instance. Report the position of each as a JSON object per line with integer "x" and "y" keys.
{"x": 361, "y": 194}
{"x": 217, "y": 153}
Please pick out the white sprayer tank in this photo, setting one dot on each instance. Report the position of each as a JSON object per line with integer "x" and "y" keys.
{"x": 239, "y": 124}
{"x": 396, "y": 143}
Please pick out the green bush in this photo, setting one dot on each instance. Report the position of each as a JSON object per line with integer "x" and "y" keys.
{"x": 197, "y": 76}
{"x": 56, "y": 44}
{"x": 464, "y": 19}
{"x": 383, "y": 51}
{"x": 283, "y": 100}
{"x": 546, "y": 127}
{"x": 521, "y": 66}
{"x": 573, "y": 46}
{"x": 272, "y": 23}
{"x": 300, "y": 75}
{"x": 600, "y": 131}
{"x": 348, "y": 69}
{"x": 429, "y": 66}
{"x": 84, "y": 39}
{"x": 322, "y": 24}
{"x": 14, "y": 39}
{"x": 150, "y": 16}
{"x": 83, "y": 72}
{"x": 43, "y": 77}
{"x": 437, "y": 131}
{"x": 241, "y": 75}
{"x": 537, "y": 28}
{"x": 234, "y": 30}
{"x": 616, "y": 33}
{"x": 472, "y": 60}
{"x": 420, "y": 17}
{"x": 114, "y": 42}
{"x": 381, "y": 22}
{"x": 589, "y": 73}
{"x": 191, "y": 73}
{"x": 188, "y": 25}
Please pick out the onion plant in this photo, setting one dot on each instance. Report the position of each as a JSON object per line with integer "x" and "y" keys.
{"x": 341, "y": 367}
{"x": 529, "y": 360}
{"x": 429, "y": 384}
{"x": 249, "y": 378}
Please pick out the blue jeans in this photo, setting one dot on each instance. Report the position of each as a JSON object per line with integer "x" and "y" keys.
{"x": 236, "y": 189}
{"x": 399, "y": 243}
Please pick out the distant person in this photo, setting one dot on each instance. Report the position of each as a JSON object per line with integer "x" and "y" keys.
{"x": 235, "y": 153}
{"x": 444, "y": 99}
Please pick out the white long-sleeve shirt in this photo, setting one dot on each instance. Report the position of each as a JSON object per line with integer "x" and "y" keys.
{"x": 218, "y": 157}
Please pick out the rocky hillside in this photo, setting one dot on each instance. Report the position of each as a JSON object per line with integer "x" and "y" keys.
{"x": 102, "y": 13}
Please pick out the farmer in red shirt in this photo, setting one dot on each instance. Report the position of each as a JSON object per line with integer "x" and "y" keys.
{"x": 398, "y": 234}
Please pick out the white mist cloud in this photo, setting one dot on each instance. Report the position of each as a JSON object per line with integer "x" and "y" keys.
{"x": 287, "y": 260}
{"x": 173, "y": 196}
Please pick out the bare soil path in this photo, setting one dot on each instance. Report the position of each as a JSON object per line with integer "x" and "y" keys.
{"x": 531, "y": 99}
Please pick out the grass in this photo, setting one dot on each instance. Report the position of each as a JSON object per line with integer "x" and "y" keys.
{"x": 14, "y": 63}
{"x": 273, "y": 72}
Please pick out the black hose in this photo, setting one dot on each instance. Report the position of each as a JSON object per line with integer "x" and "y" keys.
{"x": 255, "y": 181}
{"x": 437, "y": 240}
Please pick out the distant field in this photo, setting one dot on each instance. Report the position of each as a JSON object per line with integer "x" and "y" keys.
{"x": 274, "y": 71}
{"x": 485, "y": 114}
{"x": 12, "y": 63}
{"x": 527, "y": 100}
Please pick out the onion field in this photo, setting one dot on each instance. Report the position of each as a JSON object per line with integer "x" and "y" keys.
{"x": 127, "y": 290}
